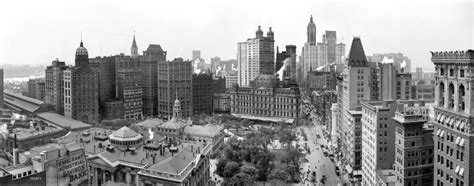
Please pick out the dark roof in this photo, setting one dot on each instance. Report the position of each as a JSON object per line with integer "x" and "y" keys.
{"x": 134, "y": 43}
{"x": 356, "y": 54}
{"x": 154, "y": 48}
{"x": 63, "y": 121}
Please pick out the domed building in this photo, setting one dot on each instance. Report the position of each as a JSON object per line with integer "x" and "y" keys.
{"x": 81, "y": 90}
{"x": 125, "y": 138}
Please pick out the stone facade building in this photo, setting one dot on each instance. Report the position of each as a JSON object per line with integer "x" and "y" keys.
{"x": 267, "y": 99}
{"x": 454, "y": 132}
{"x": 255, "y": 56}
{"x": 175, "y": 80}
{"x": 54, "y": 89}
{"x": 414, "y": 152}
{"x": 81, "y": 90}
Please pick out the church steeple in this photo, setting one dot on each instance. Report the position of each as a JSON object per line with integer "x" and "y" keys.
{"x": 134, "y": 48}
{"x": 177, "y": 109}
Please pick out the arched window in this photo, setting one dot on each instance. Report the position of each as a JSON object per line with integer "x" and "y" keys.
{"x": 462, "y": 93}
{"x": 450, "y": 96}
{"x": 451, "y": 72}
{"x": 461, "y": 73}
{"x": 441, "y": 94}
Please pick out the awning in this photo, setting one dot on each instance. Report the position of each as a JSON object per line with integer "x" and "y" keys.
{"x": 442, "y": 133}
{"x": 457, "y": 140}
{"x": 451, "y": 122}
{"x": 448, "y": 121}
{"x": 442, "y": 119}
{"x": 437, "y": 118}
{"x": 461, "y": 172}
{"x": 461, "y": 143}
{"x": 462, "y": 125}
{"x": 457, "y": 169}
{"x": 437, "y": 132}
{"x": 349, "y": 168}
{"x": 457, "y": 123}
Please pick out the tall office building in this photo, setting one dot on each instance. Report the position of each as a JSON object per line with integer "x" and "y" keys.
{"x": 309, "y": 55}
{"x": 54, "y": 89}
{"x": 331, "y": 44}
{"x": 81, "y": 99}
{"x": 175, "y": 80}
{"x": 36, "y": 88}
{"x": 354, "y": 87}
{"x": 128, "y": 86}
{"x": 151, "y": 57}
{"x": 289, "y": 70}
{"x": 340, "y": 53}
{"x": 378, "y": 138}
{"x": 454, "y": 132}
{"x": 255, "y": 56}
{"x": 387, "y": 83}
{"x": 404, "y": 82}
{"x": 418, "y": 74}
{"x": 196, "y": 54}
{"x": 413, "y": 146}
{"x": 322, "y": 54}
{"x": 203, "y": 85}
{"x": 1, "y": 88}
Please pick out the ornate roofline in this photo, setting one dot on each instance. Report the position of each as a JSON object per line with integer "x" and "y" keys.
{"x": 459, "y": 54}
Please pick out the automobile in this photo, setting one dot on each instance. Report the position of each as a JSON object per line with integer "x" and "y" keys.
{"x": 306, "y": 160}
{"x": 325, "y": 153}
{"x": 322, "y": 146}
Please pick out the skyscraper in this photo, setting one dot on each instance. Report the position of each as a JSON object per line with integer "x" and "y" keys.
{"x": 289, "y": 70}
{"x": 54, "y": 89}
{"x": 310, "y": 51}
{"x": 414, "y": 147}
{"x": 1, "y": 88}
{"x": 202, "y": 93}
{"x": 175, "y": 80}
{"x": 81, "y": 99}
{"x": 418, "y": 74}
{"x": 151, "y": 57}
{"x": 196, "y": 54}
{"x": 453, "y": 126}
{"x": 340, "y": 53}
{"x": 354, "y": 87}
{"x": 255, "y": 56}
{"x": 331, "y": 39}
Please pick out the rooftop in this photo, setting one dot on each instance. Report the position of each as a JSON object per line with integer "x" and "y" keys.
{"x": 63, "y": 121}
{"x": 203, "y": 130}
{"x": 33, "y": 131}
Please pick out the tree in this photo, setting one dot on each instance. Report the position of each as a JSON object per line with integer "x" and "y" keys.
{"x": 279, "y": 175}
{"x": 220, "y": 166}
{"x": 241, "y": 179}
{"x": 248, "y": 169}
{"x": 231, "y": 168}
{"x": 286, "y": 137}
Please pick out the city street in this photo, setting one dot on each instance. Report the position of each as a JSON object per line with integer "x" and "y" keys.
{"x": 317, "y": 161}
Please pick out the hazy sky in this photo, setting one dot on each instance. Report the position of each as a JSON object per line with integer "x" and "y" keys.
{"x": 36, "y": 32}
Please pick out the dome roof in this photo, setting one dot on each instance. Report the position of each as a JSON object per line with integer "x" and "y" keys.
{"x": 259, "y": 31}
{"x": 81, "y": 50}
{"x": 125, "y": 132}
{"x": 177, "y": 102}
{"x": 270, "y": 31}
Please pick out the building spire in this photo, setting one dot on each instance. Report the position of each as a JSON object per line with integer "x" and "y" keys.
{"x": 134, "y": 48}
